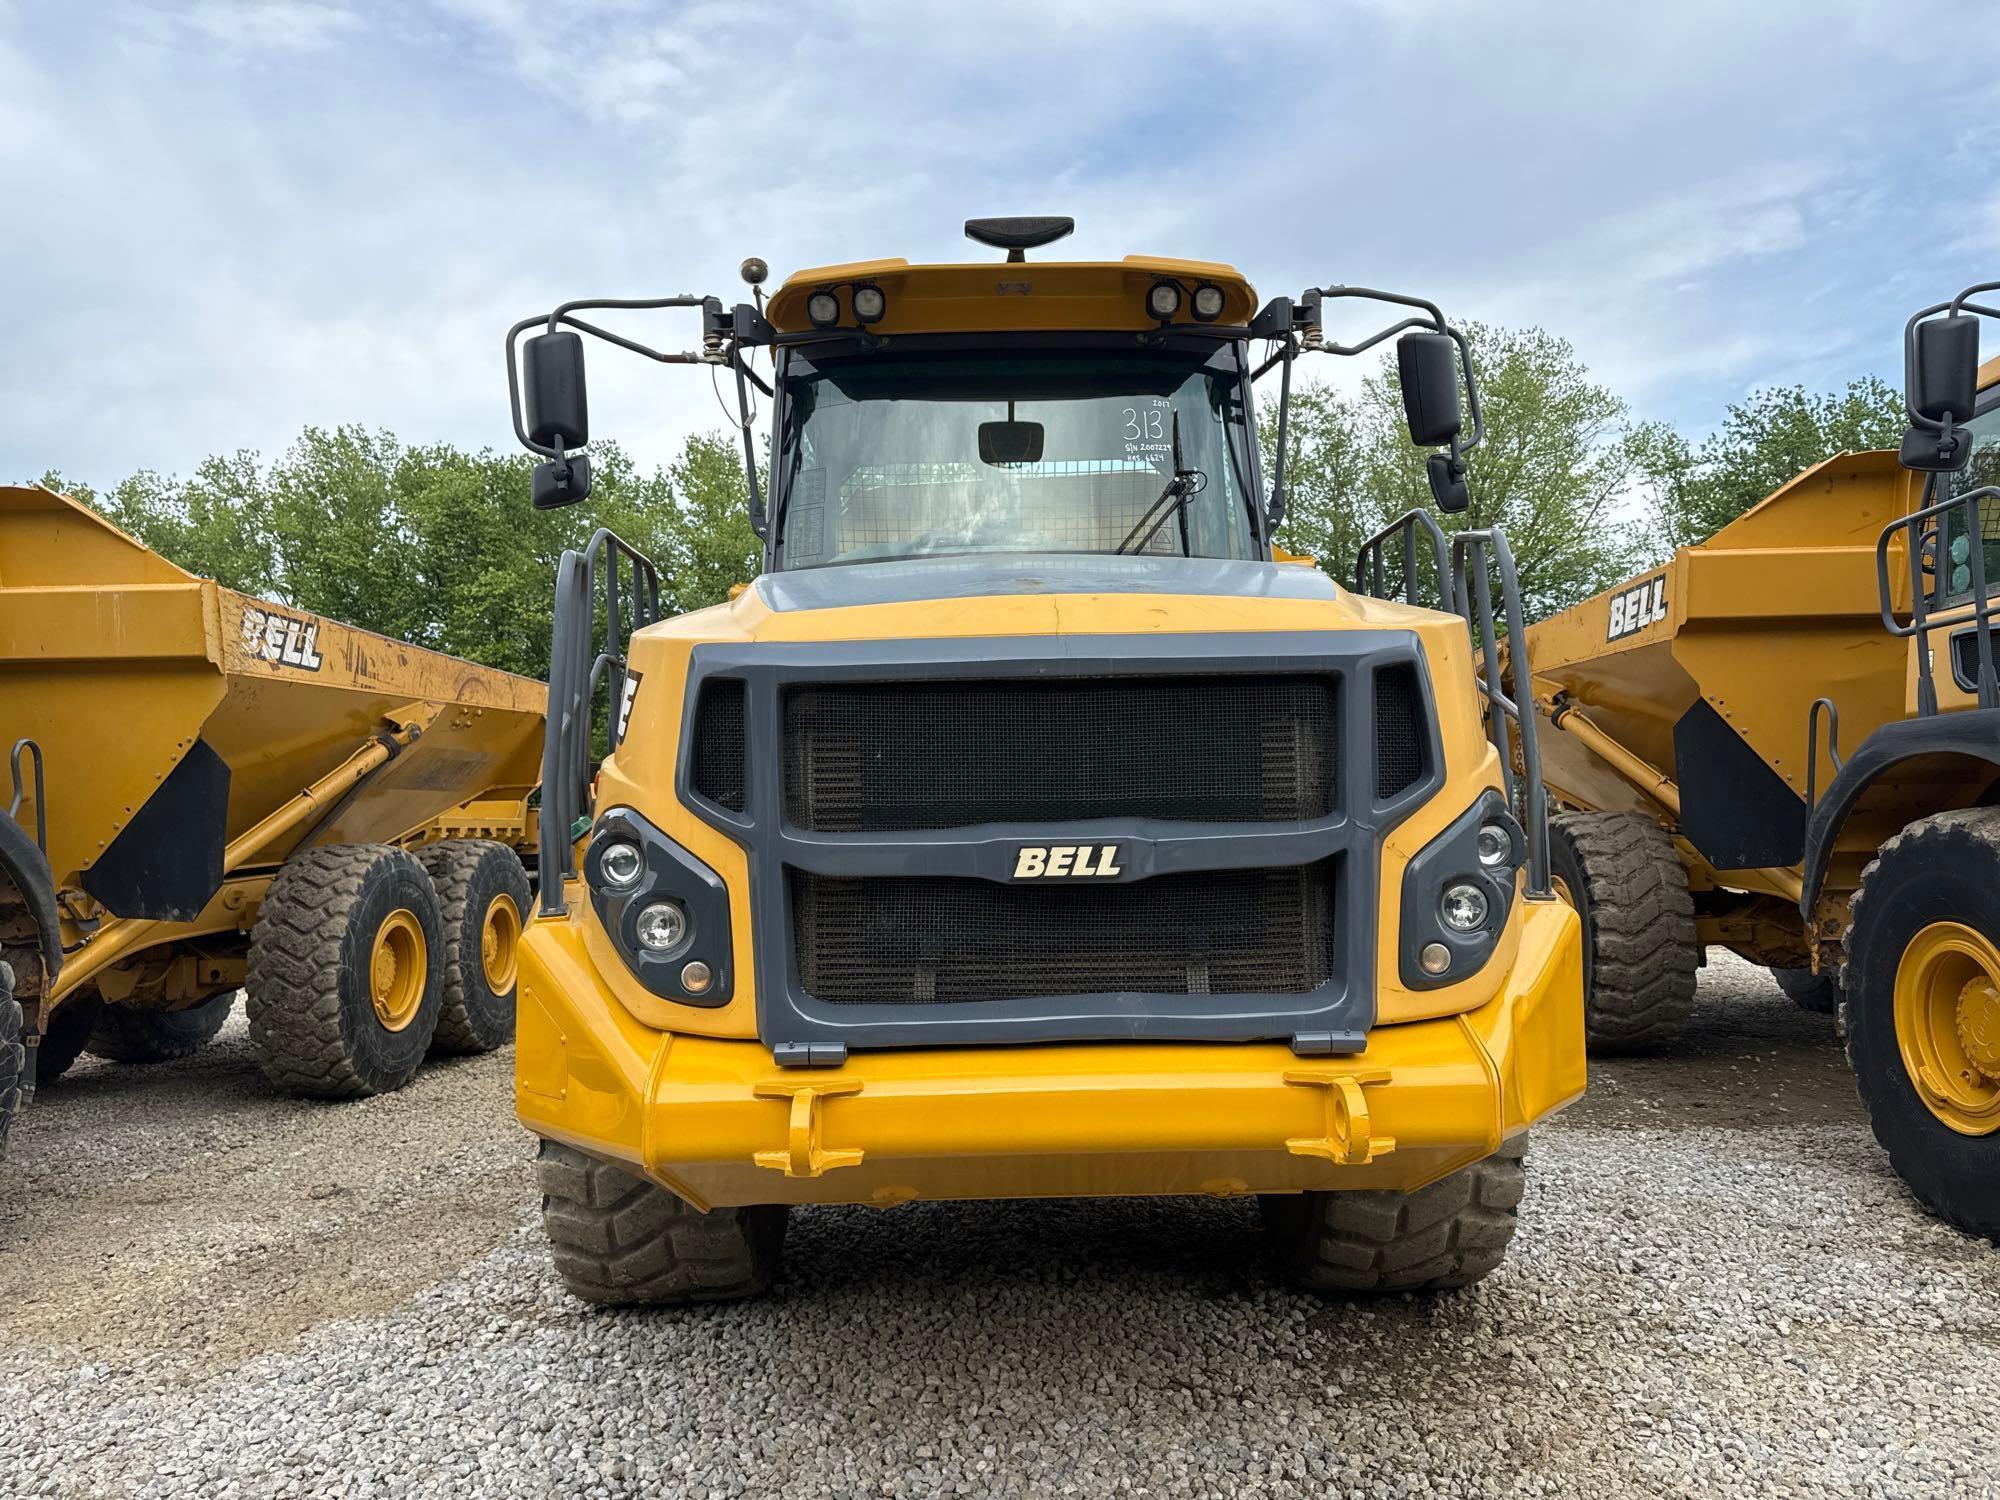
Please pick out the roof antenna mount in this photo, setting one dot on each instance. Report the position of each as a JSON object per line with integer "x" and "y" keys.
{"x": 1018, "y": 236}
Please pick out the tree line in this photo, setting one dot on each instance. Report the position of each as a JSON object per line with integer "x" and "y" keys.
{"x": 440, "y": 547}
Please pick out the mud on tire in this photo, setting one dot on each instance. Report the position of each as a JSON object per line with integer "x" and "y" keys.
{"x": 150, "y": 1036}
{"x": 13, "y": 1056}
{"x": 314, "y": 1021}
{"x": 1639, "y": 952}
{"x": 618, "y": 1240}
{"x": 1449, "y": 1234}
{"x": 483, "y": 899}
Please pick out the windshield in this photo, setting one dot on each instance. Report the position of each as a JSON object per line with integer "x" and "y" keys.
{"x": 905, "y": 455}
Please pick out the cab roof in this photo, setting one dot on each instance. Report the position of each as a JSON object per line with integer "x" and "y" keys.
{"x": 1002, "y": 297}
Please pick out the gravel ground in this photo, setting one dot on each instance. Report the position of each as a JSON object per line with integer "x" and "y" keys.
{"x": 1718, "y": 1289}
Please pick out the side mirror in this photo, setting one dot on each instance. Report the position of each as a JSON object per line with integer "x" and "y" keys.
{"x": 560, "y": 482}
{"x": 1943, "y": 373}
{"x": 558, "y": 411}
{"x": 1010, "y": 442}
{"x": 1427, "y": 371}
{"x": 1448, "y": 486}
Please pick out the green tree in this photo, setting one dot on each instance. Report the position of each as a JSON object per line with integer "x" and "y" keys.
{"x": 1554, "y": 464}
{"x": 1764, "y": 441}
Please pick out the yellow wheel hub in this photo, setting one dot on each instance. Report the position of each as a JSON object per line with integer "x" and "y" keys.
{"x": 398, "y": 969}
{"x": 500, "y": 944}
{"x": 1948, "y": 1024}
{"x": 1561, "y": 888}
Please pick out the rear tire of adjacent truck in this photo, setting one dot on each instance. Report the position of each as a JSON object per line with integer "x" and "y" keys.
{"x": 66, "y": 1033}
{"x": 1621, "y": 874}
{"x": 620, "y": 1241}
{"x": 1818, "y": 993}
{"x": 1448, "y": 1234}
{"x": 483, "y": 897}
{"x": 151, "y": 1036}
{"x": 1923, "y": 1011}
{"x": 343, "y": 990}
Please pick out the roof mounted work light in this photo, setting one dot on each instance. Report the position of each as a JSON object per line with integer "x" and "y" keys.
{"x": 869, "y": 304}
{"x": 1208, "y": 302}
{"x": 823, "y": 308}
{"x": 1164, "y": 300}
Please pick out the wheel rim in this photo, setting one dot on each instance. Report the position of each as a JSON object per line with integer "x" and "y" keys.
{"x": 397, "y": 970}
{"x": 1948, "y": 1025}
{"x": 500, "y": 944}
{"x": 1561, "y": 888}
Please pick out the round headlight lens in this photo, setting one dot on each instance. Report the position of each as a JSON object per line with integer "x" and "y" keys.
{"x": 621, "y": 864}
{"x": 662, "y": 927}
{"x": 1496, "y": 845}
{"x": 1463, "y": 907}
{"x": 1164, "y": 300}
{"x": 868, "y": 303}
{"x": 823, "y": 308}
{"x": 1208, "y": 303}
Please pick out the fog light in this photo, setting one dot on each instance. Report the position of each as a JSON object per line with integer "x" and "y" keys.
{"x": 1435, "y": 958}
{"x": 696, "y": 977}
{"x": 621, "y": 864}
{"x": 823, "y": 308}
{"x": 1463, "y": 908}
{"x": 1208, "y": 303}
{"x": 661, "y": 927}
{"x": 868, "y": 303}
{"x": 1164, "y": 300}
{"x": 1496, "y": 845}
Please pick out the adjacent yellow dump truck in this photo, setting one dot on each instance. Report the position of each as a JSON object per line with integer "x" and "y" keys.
{"x": 213, "y": 792}
{"x": 1700, "y": 711}
{"x": 1031, "y": 826}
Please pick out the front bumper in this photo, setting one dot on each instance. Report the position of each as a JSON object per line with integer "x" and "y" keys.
{"x": 721, "y": 1124}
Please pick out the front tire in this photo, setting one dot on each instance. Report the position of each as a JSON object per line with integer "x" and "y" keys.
{"x": 343, "y": 985}
{"x": 65, "y": 1033}
{"x": 620, "y": 1241}
{"x": 13, "y": 1055}
{"x": 1449, "y": 1234}
{"x": 1923, "y": 1011}
{"x": 150, "y": 1036}
{"x": 1621, "y": 874}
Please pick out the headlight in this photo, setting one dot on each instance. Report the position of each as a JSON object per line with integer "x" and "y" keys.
{"x": 621, "y": 865}
{"x": 1463, "y": 907}
{"x": 1496, "y": 845}
{"x": 661, "y": 927}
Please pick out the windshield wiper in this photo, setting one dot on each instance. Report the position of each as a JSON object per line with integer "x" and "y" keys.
{"x": 1183, "y": 487}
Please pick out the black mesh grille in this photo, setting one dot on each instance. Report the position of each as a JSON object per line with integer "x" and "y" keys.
{"x": 1399, "y": 731}
{"x": 935, "y": 940}
{"x": 717, "y": 772}
{"x": 888, "y": 757}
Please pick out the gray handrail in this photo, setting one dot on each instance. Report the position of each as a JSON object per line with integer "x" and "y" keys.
{"x": 1979, "y": 610}
{"x": 581, "y": 667}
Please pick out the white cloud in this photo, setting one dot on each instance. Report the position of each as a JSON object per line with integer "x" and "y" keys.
{"x": 228, "y": 221}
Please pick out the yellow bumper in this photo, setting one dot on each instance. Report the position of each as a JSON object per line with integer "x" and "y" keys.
{"x": 721, "y": 1124}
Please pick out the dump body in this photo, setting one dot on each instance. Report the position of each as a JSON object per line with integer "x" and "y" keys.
{"x": 1705, "y": 672}
{"x": 193, "y": 739}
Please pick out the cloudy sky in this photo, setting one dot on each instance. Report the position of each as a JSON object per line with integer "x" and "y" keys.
{"x": 224, "y": 221}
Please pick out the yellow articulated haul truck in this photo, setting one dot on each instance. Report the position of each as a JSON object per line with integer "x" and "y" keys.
{"x": 1701, "y": 712}
{"x": 212, "y": 792}
{"x": 1026, "y": 829}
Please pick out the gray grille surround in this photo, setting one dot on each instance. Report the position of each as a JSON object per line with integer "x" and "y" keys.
{"x": 1330, "y": 1017}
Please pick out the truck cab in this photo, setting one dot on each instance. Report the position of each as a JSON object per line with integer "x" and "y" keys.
{"x": 1027, "y": 828}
